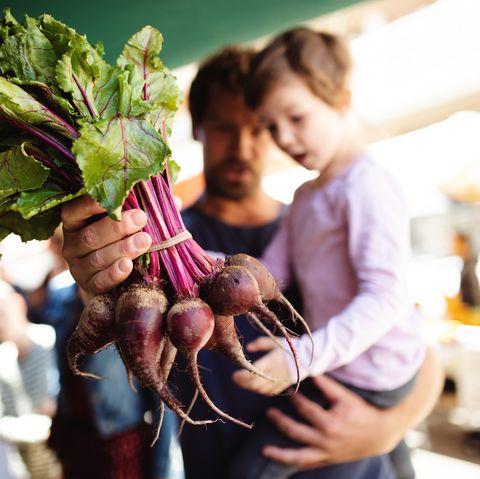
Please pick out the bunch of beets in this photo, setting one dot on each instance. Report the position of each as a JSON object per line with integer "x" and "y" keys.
{"x": 72, "y": 124}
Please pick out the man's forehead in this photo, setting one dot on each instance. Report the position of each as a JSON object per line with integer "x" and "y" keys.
{"x": 224, "y": 103}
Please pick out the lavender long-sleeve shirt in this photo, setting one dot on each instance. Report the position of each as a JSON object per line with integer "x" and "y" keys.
{"x": 346, "y": 244}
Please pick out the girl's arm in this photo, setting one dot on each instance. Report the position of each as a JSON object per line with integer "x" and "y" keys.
{"x": 378, "y": 246}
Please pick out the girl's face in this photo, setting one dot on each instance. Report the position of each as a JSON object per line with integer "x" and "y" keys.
{"x": 303, "y": 125}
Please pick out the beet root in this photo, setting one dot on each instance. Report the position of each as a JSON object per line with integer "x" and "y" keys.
{"x": 94, "y": 332}
{"x": 140, "y": 329}
{"x": 232, "y": 292}
{"x": 268, "y": 287}
{"x": 262, "y": 312}
{"x": 224, "y": 340}
{"x": 167, "y": 358}
{"x": 266, "y": 283}
{"x": 235, "y": 291}
{"x": 190, "y": 325}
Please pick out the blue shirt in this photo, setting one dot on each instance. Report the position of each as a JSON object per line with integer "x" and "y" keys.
{"x": 206, "y": 450}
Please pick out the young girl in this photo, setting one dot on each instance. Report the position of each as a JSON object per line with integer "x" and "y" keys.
{"x": 344, "y": 240}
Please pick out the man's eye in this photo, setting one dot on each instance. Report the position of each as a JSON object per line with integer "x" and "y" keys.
{"x": 218, "y": 127}
{"x": 272, "y": 129}
{"x": 258, "y": 130}
{"x": 221, "y": 128}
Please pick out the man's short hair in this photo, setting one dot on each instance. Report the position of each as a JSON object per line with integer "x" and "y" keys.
{"x": 227, "y": 69}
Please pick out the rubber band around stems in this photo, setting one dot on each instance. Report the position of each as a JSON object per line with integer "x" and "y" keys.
{"x": 182, "y": 236}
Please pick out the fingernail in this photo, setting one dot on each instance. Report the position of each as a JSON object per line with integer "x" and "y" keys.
{"x": 139, "y": 218}
{"x": 140, "y": 241}
{"x": 124, "y": 265}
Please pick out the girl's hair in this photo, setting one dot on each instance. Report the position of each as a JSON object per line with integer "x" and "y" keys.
{"x": 321, "y": 60}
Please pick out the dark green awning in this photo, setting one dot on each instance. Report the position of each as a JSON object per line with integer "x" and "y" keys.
{"x": 192, "y": 28}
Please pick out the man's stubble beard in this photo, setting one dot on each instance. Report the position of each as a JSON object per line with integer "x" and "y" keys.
{"x": 215, "y": 187}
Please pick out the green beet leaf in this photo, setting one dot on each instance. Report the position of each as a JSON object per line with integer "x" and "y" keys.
{"x": 31, "y": 203}
{"x": 28, "y": 55}
{"x": 90, "y": 127}
{"x": 20, "y": 172}
{"x": 7, "y": 203}
{"x": 50, "y": 96}
{"x": 16, "y": 102}
{"x": 40, "y": 227}
{"x": 93, "y": 84}
{"x": 153, "y": 87}
{"x": 115, "y": 154}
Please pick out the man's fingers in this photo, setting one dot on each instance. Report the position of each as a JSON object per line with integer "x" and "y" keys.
{"x": 109, "y": 278}
{"x": 331, "y": 389}
{"x": 293, "y": 429}
{"x": 102, "y": 233}
{"x": 311, "y": 412}
{"x": 305, "y": 457}
{"x": 75, "y": 213}
{"x": 131, "y": 247}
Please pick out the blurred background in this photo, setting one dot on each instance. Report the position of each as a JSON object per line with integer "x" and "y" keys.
{"x": 416, "y": 93}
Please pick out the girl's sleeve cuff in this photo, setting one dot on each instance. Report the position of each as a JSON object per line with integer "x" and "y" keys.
{"x": 303, "y": 348}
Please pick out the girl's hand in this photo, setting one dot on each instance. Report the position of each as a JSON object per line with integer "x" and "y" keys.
{"x": 274, "y": 364}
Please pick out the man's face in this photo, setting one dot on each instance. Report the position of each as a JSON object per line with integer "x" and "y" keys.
{"x": 236, "y": 147}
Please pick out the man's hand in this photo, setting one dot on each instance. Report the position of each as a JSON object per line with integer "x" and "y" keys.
{"x": 351, "y": 429}
{"x": 100, "y": 254}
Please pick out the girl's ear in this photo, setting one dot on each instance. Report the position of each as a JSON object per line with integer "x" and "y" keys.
{"x": 344, "y": 99}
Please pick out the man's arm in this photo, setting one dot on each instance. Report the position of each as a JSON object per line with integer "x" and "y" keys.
{"x": 353, "y": 429}
{"x": 100, "y": 254}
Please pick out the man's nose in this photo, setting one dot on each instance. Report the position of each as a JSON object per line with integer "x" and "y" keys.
{"x": 242, "y": 144}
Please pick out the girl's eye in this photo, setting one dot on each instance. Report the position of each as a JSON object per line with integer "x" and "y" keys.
{"x": 296, "y": 118}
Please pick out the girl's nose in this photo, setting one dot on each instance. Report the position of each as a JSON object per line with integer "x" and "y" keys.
{"x": 284, "y": 137}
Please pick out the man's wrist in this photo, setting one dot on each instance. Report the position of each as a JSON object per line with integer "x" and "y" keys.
{"x": 390, "y": 429}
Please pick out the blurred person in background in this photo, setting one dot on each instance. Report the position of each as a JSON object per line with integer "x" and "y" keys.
{"x": 469, "y": 287}
{"x": 99, "y": 430}
{"x": 28, "y": 384}
{"x": 4, "y": 468}
{"x": 235, "y": 215}
{"x": 40, "y": 300}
